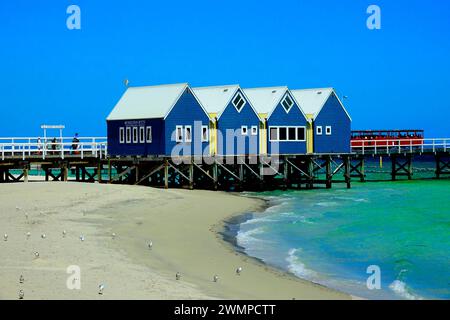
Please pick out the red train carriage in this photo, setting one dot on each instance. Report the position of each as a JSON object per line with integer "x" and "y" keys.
{"x": 383, "y": 138}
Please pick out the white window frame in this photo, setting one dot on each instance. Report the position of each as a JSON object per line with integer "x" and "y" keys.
{"x": 177, "y": 138}
{"x": 254, "y": 130}
{"x": 284, "y": 99}
{"x": 270, "y": 135}
{"x": 128, "y": 135}
{"x": 328, "y": 131}
{"x": 242, "y": 131}
{"x": 141, "y": 134}
{"x": 235, "y": 106}
{"x": 205, "y": 139}
{"x": 185, "y": 134}
{"x": 287, "y": 133}
{"x": 135, "y": 134}
{"x": 121, "y": 135}
{"x": 304, "y": 134}
{"x": 148, "y": 134}
{"x": 319, "y": 130}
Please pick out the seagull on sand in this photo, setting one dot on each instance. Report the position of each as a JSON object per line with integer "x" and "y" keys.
{"x": 28, "y": 235}
{"x": 18, "y": 208}
{"x": 178, "y": 276}
{"x": 21, "y": 294}
{"x": 21, "y": 279}
{"x": 5, "y": 237}
{"x": 113, "y": 235}
{"x": 36, "y": 254}
{"x": 238, "y": 271}
{"x": 64, "y": 233}
{"x": 43, "y": 236}
{"x": 101, "y": 287}
{"x": 150, "y": 245}
{"x": 216, "y": 278}
{"x": 82, "y": 238}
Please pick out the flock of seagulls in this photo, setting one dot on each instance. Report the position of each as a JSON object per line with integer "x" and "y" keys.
{"x": 101, "y": 287}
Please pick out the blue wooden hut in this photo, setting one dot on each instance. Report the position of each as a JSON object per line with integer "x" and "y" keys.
{"x": 158, "y": 120}
{"x": 234, "y": 122}
{"x": 283, "y": 124}
{"x": 331, "y": 127}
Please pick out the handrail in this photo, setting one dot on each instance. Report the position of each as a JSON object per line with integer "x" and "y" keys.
{"x": 389, "y": 146}
{"x": 95, "y": 147}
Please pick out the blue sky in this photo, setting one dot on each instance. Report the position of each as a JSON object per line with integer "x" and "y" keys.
{"x": 396, "y": 77}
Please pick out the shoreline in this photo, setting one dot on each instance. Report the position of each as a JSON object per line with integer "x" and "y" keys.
{"x": 180, "y": 223}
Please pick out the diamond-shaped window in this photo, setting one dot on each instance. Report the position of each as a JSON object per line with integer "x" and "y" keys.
{"x": 238, "y": 102}
{"x": 287, "y": 103}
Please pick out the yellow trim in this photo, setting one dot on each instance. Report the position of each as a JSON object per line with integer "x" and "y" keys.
{"x": 262, "y": 137}
{"x": 309, "y": 138}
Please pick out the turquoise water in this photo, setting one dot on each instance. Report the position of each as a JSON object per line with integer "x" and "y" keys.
{"x": 332, "y": 236}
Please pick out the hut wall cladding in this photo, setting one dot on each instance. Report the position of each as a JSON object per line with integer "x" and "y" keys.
{"x": 332, "y": 114}
{"x": 186, "y": 112}
{"x": 156, "y": 147}
{"x": 232, "y": 119}
{"x": 294, "y": 118}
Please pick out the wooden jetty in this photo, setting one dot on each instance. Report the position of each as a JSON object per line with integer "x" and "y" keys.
{"x": 90, "y": 162}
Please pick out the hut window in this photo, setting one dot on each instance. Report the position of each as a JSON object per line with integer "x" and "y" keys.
{"x": 179, "y": 133}
{"x": 205, "y": 134}
{"x": 287, "y": 103}
{"x": 149, "y": 135}
{"x": 273, "y": 134}
{"x": 292, "y": 133}
{"x": 128, "y": 135}
{"x": 238, "y": 102}
{"x": 254, "y": 130}
{"x": 141, "y": 134}
{"x": 300, "y": 134}
{"x": 135, "y": 135}
{"x": 319, "y": 130}
{"x": 244, "y": 130}
{"x": 121, "y": 135}
{"x": 283, "y": 134}
{"x": 187, "y": 134}
{"x": 328, "y": 130}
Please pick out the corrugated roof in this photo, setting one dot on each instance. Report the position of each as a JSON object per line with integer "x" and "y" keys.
{"x": 215, "y": 99}
{"x": 264, "y": 100}
{"x": 312, "y": 100}
{"x": 147, "y": 102}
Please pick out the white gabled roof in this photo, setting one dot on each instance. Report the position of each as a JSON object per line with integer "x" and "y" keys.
{"x": 215, "y": 99}
{"x": 265, "y": 100}
{"x": 313, "y": 100}
{"x": 147, "y": 102}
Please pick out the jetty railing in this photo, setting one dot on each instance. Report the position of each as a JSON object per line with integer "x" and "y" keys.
{"x": 26, "y": 147}
{"x": 398, "y": 146}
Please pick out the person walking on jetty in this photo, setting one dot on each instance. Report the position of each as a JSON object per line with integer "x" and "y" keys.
{"x": 75, "y": 142}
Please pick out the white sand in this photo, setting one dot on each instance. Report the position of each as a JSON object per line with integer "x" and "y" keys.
{"x": 181, "y": 224}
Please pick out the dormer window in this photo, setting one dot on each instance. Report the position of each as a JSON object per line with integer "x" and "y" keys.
{"x": 238, "y": 102}
{"x": 287, "y": 103}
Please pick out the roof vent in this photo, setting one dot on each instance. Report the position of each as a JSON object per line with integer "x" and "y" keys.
{"x": 225, "y": 90}
{"x": 319, "y": 92}
{"x": 273, "y": 91}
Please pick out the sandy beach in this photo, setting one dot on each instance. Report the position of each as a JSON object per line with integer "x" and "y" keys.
{"x": 184, "y": 227}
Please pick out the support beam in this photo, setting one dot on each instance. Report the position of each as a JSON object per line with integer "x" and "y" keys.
{"x": 329, "y": 175}
{"x": 166, "y": 174}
